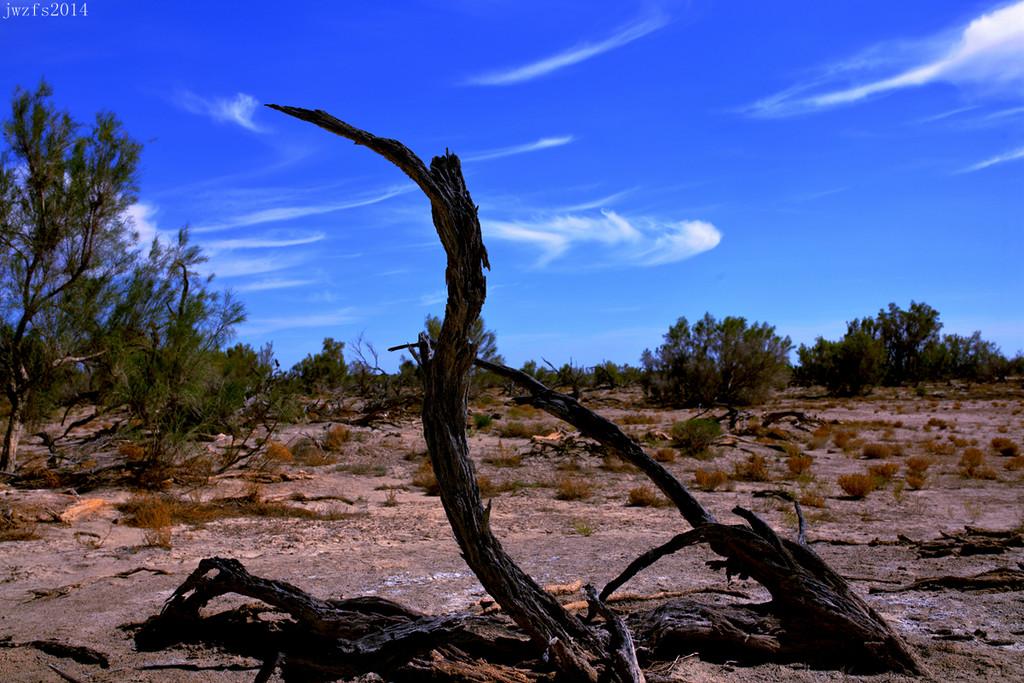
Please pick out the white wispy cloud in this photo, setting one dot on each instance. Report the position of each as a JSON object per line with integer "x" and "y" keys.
{"x": 637, "y": 242}
{"x": 543, "y": 143}
{"x": 284, "y": 213}
{"x": 238, "y": 109}
{"x": 988, "y": 52}
{"x": 261, "y": 326}
{"x": 263, "y": 242}
{"x": 998, "y": 159}
{"x": 143, "y": 219}
{"x": 239, "y": 267}
{"x": 527, "y": 72}
{"x": 272, "y": 283}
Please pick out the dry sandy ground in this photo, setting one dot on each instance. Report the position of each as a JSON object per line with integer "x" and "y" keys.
{"x": 65, "y": 585}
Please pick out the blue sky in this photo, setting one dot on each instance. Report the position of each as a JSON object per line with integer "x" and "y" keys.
{"x": 795, "y": 163}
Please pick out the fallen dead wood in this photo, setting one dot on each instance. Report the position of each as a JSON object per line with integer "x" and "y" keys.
{"x": 55, "y": 648}
{"x": 999, "y": 580}
{"x": 970, "y": 541}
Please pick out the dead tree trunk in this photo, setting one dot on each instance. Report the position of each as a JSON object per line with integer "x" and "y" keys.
{"x": 445, "y": 364}
{"x": 813, "y": 617}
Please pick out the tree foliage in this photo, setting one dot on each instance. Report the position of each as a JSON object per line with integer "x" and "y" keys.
{"x": 717, "y": 361}
{"x": 63, "y": 242}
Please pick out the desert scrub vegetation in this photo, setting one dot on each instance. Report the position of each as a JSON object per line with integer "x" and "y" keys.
{"x": 425, "y": 478}
{"x": 799, "y": 464}
{"x": 637, "y": 419}
{"x": 645, "y": 496}
{"x": 1004, "y": 447}
{"x": 973, "y": 465}
{"x": 694, "y": 437}
{"x": 522, "y": 430}
{"x": 883, "y": 472}
{"x": 876, "y": 451}
{"x": 665, "y": 455}
{"x": 482, "y": 421}
{"x": 856, "y": 486}
{"x": 336, "y": 438}
{"x": 710, "y": 480}
{"x": 716, "y": 361}
{"x": 573, "y": 488}
{"x": 916, "y": 471}
{"x": 753, "y": 468}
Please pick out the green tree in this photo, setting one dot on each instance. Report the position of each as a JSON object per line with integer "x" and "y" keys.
{"x": 64, "y": 236}
{"x": 165, "y": 334}
{"x": 322, "y": 371}
{"x": 848, "y": 367}
{"x": 906, "y": 335}
{"x": 485, "y": 341}
{"x": 717, "y": 361}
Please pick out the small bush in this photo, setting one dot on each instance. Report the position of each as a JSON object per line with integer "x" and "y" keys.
{"x": 278, "y": 452}
{"x": 916, "y": 480}
{"x": 876, "y": 451}
{"x": 694, "y": 437}
{"x": 132, "y": 452}
{"x": 1004, "y": 447}
{"x": 613, "y": 463}
{"x": 754, "y": 468}
{"x": 582, "y": 527}
{"x": 337, "y": 437}
{"x": 820, "y": 437}
{"x": 918, "y": 464}
{"x": 972, "y": 465}
{"x": 936, "y": 447}
{"x": 637, "y": 419}
{"x": 709, "y": 480}
{"x": 665, "y": 455}
{"x": 645, "y": 496}
{"x": 856, "y": 485}
{"x": 799, "y": 463}
{"x": 842, "y": 438}
{"x": 307, "y": 452}
{"x": 1015, "y": 463}
{"x": 813, "y": 500}
{"x": 152, "y": 514}
{"x": 572, "y": 488}
{"x": 884, "y": 472}
{"x": 505, "y": 460}
{"x": 426, "y": 479}
{"x": 521, "y": 430}
{"x": 482, "y": 420}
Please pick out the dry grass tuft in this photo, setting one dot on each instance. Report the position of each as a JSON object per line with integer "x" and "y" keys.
{"x": 637, "y": 419}
{"x": 504, "y": 460}
{"x": 1005, "y": 447}
{"x": 754, "y": 468}
{"x": 278, "y": 452}
{"x": 645, "y": 496}
{"x": 573, "y": 488}
{"x": 876, "y": 451}
{"x": 1015, "y": 463}
{"x": 799, "y": 463}
{"x": 307, "y": 452}
{"x": 972, "y": 465}
{"x": 665, "y": 455}
{"x": 694, "y": 437}
{"x": 856, "y": 485}
{"x": 425, "y": 478}
{"x": 884, "y": 472}
{"x": 820, "y": 437}
{"x": 337, "y": 437}
{"x": 522, "y": 430}
{"x": 936, "y": 447}
{"x": 813, "y": 500}
{"x": 709, "y": 480}
{"x": 613, "y": 463}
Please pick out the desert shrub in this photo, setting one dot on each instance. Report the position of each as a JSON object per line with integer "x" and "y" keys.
{"x": 936, "y": 447}
{"x": 848, "y": 367}
{"x": 482, "y": 420}
{"x": 337, "y": 437}
{"x": 709, "y": 480}
{"x": 916, "y": 480}
{"x": 936, "y": 423}
{"x": 582, "y": 527}
{"x": 637, "y": 419}
{"x": 505, "y": 460}
{"x": 972, "y": 465}
{"x": 323, "y": 371}
{"x": 521, "y": 430}
{"x": 820, "y": 437}
{"x": 811, "y": 499}
{"x": 132, "y": 452}
{"x": 716, "y": 361}
{"x": 842, "y": 438}
{"x": 665, "y": 455}
{"x": 488, "y": 489}
{"x": 613, "y": 463}
{"x": 152, "y": 514}
{"x": 799, "y": 463}
{"x": 694, "y": 437}
{"x": 425, "y": 478}
{"x": 754, "y": 468}
{"x": 918, "y": 463}
{"x": 876, "y": 451}
{"x": 573, "y": 488}
{"x": 856, "y": 485}
{"x": 1015, "y": 463}
{"x": 884, "y": 472}
{"x": 307, "y": 452}
{"x": 1004, "y": 447}
{"x": 645, "y": 496}
{"x": 278, "y": 452}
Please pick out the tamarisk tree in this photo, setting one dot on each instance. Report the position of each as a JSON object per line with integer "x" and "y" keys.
{"x": 64, "y": 237}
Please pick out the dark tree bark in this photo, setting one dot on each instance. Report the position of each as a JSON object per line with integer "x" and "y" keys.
{"x": 445, "y": 364}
